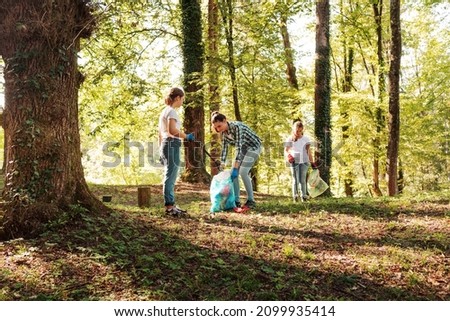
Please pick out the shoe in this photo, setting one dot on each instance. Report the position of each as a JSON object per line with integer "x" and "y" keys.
{"x": 305, "y": 199}
{"x": 296, "y": 199}
{"x": 175, "y": 212}
{"x": 183, "y": 211}
{"x": 238, "y": 204}
{"x": 249, "y": 205}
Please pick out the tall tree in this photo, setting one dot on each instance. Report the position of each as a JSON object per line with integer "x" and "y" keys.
{"x": 226, "y": 10}
{"x": 322, "y": 126}
{"x": 194, "y": 114}
{"x": 39, "y": 43}
{"x": 290, "y": 67}
{"x": 213, "y": 77}
{"x": 348, "y": 61}
{"x": 394, "y": 96}
{"x": 380, "y": 70}
{"x": 1, "y": 115}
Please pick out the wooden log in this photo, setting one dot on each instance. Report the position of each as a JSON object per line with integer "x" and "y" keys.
{"x": 144, "y": 196}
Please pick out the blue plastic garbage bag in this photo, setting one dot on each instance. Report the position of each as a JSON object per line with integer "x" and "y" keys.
{"x": 222, "y": 192}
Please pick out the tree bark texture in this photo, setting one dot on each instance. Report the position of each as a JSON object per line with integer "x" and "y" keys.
{"x": 322, "y": 127}
{"x": 226, "y": 9}
{"x": 194, "y": 114}
{"x": 378, "y": 13}
{"x": 39, "y": 43}
{"x": 288, "y": 52}
{"x": 394, "y": 97}
{"x": 213, "y": 76}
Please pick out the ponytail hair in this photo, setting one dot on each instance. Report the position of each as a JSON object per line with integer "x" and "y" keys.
{"x": 173, "y": 93}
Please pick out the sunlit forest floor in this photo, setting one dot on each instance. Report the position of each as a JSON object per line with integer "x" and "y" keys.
{"x": 324, "y": 249}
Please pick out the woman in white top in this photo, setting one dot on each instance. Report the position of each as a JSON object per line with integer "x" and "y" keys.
{"x": 170, "y": 137}
{"x": 297, "y": 151}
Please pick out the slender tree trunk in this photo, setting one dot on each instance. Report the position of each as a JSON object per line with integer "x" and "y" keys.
{"x": 288, "y": 52}
{"x": 227, "y": 17}
{"x": 346, "y": 88}
{"x": 394, "y": 96}
{"x": 43, "y": 169}
{"x": 213, "y": 76}
{"x": 194, "y": 114}
{"x": 322, "y": 90}
{"x": 378, "y": 12}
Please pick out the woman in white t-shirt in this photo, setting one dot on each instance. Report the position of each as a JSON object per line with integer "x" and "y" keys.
{"x": 297, "y": 151}
{"x": 170, "y": 136}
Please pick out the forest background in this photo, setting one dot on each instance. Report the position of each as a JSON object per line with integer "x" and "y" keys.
{"x": 135, "y": 56}
{"x": 259, "y": 64}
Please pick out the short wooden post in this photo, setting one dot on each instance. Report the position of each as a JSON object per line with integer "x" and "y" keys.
{"x": 144, "y": 196}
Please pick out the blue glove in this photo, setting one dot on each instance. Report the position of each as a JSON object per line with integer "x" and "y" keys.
{"x": 190, "y": 137}
{"x": 234, "y": 173}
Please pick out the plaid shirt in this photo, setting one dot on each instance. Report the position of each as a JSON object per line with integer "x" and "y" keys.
{"x": 241, "y": 136}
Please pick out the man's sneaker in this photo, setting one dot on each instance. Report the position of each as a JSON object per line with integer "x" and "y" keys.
{"x": 183, "y": 211}
{"x": 238, "y": 204}
{"x": 249, "y": 205}
{"x": 295, "y": 198}
{"x": 305, "y": 198}
{"x": 175, "y": 212}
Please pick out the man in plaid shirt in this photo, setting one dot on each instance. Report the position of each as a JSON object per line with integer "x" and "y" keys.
{"x": 248, "y": 148}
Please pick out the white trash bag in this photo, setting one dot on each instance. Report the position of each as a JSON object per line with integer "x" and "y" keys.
{"x": 316, "y": 184}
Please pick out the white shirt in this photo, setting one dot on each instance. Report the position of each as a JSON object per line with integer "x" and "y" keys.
{"x": 168, "y": 113}
{"x": 298, "y": 148}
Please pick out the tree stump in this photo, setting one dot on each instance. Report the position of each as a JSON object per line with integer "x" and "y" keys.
{"x": 144, "y": 196}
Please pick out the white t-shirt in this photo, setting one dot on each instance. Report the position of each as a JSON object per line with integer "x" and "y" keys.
{"x": 168, "y": 113}
{"x": 298, "y": 148}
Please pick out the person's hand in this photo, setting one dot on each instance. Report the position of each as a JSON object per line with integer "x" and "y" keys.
{"x": 220, "y": 166}
{"x": 314, "y": 165}
{"x": 190, "y": 137}
{"x": 290, "y": 158}
{"x": 234, "y": 173}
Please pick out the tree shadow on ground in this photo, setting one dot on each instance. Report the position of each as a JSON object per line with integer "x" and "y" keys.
{"x": 401, "y": 236}
{"x": 160, "y": 264}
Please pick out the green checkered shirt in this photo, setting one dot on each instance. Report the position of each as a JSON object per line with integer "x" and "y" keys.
{"x": 241, "y": 136}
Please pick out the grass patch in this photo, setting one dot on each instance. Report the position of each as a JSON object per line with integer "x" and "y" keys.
{"x": 326, "y": 249}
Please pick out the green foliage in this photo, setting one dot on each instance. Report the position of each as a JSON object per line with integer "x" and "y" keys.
{"x": 135, "y": 55}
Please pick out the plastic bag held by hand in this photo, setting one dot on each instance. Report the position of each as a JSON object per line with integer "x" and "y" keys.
{"x": 290, "y": 158}
{"x": 190, "y": 137}
{"x": 234, "y": 173}
{"x": 222, "y": 192}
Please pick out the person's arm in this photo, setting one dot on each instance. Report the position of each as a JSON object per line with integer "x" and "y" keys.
{"x": 223, "y": 155}
{"x": 239, "y": 155}
{"x": 173, "y": 129}
{"x": 308, "y": 152}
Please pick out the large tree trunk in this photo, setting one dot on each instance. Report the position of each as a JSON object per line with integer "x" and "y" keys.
{"x": 394, "y": 97}
{"x": 194, "y": 114}
{"x": 322, "y": 128}
{"x": 213, "y": 76}
{"x": 1, "y": 115}
{"x": 39, "y": 43}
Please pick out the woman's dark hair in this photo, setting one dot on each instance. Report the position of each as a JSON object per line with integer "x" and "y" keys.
{"x": 174, "y": 93}
{"x": 216, "y": 116}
